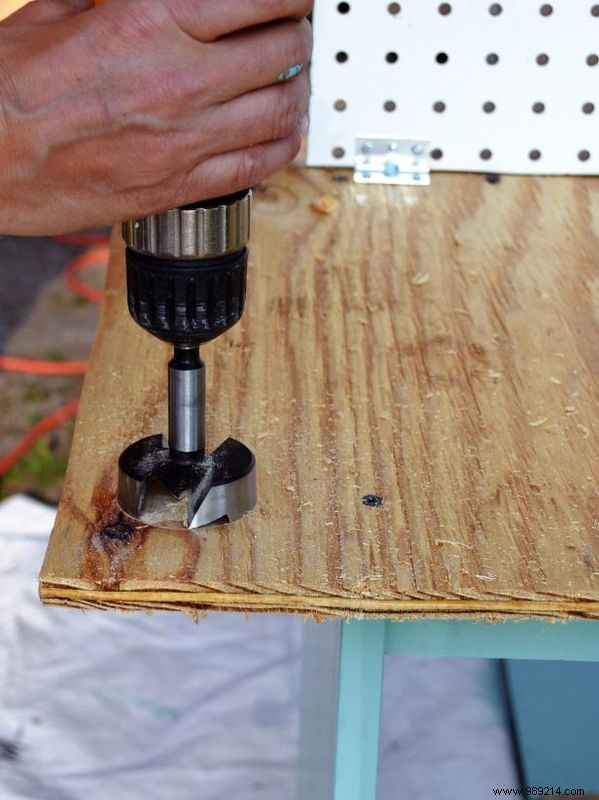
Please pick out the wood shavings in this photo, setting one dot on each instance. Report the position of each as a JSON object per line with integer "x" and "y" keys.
{"x": 537, "y": 423}
{"x": 491, "y": 373}
{"x": 451, "y": 543}
{"x": 421, "y": 279}
{"x": 570, "y": 410}
{"x": 584, "y": 430}
{"x": 490, "y": 577}
{"x": 327, "y": 204}
{"x": 556, "y": 381}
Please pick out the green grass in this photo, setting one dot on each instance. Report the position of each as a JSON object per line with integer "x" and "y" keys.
{"x": 39, "y": 469}
{"x": 53, "y": 355}
{"x": 35, "y": 392}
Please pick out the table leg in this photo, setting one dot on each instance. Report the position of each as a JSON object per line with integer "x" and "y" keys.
{"x": 318, "y": 714}
{"x": 342, "y": 680}
{"x": 359, "y": 712}
{"x": 556, "y": 712}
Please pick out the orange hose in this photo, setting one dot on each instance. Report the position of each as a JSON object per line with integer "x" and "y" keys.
{"x": 97, "y": 255}
{"x": 35, "y": 367}
{"x": 91, "y": 258}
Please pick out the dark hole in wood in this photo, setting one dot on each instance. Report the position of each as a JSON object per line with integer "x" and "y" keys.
{"x": 372, "y": 500}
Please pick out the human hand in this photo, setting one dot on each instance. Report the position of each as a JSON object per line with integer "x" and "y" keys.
{"x": 136, "y": 106}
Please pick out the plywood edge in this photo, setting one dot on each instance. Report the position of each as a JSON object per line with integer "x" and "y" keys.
{"x": 315, "y": 606}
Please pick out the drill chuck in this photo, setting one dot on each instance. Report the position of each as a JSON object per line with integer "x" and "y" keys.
{"x": 187, "y": 269}
{"x": 209, "y": 229}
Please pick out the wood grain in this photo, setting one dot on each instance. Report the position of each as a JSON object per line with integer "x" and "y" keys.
{"x": 436, "y": 347}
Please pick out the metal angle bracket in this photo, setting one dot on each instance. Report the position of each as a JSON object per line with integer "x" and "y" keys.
{"x": 404, "y": 162}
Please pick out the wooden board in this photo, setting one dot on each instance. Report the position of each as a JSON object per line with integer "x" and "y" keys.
{"x": 436, "y": 347}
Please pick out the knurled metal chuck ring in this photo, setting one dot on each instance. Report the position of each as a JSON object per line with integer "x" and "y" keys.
{"x": 207, "y": 229}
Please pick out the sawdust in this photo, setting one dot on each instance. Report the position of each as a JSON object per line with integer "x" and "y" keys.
{"x": 537, "y": 423}
{"x": 421, "y": 279}
{"x": 327, "y": 204}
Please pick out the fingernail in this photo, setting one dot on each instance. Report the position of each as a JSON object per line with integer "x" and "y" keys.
{"x": 304, "y": 124}
{"x": 292, "y": 72}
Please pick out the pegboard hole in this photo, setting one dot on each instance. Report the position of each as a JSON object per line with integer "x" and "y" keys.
{"x": 445, "y": 9}
{"x": 592, "y": 60}
{"x": 495, "y": 9}
{"x": 542, "y": 59}
{"x": 439, "y": 106}
{"x": 489, "y": 107}
{"x": 584, "y": 155}
{"x": 394, "y": 9}
{"x": 546, "y": 10}
{"x": 437, "y": 154}
{"x": 538, "y": 107}
{"x": 588, "y": 108}
{"x": 534, "y": 155}
{"x": 485, "y": 154}
{"x": 340, "y": 105}
{"x": 344, "y": 8}
{"x": 595, "y": 11}
{"x": 441, "y": 58}
{"x": 492, "y": 59}
{"x": 342, "y": 56}
{"x": 392, "y": 57}
{"x": 390, "y": 106}
{"x": 338, "y": 152}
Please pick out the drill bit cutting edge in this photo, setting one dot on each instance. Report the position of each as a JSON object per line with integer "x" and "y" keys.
{"x": 186, "y": 282}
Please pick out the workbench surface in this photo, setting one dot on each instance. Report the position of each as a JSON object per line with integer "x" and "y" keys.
{"x": 433, "y": 347}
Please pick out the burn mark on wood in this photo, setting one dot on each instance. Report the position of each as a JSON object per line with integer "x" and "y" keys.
{"x": 118, "y": 529}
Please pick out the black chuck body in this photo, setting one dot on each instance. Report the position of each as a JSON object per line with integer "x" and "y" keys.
{"x": 186, "y": 302}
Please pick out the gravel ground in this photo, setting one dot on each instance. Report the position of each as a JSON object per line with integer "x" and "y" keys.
{"x": 40, "y": 317}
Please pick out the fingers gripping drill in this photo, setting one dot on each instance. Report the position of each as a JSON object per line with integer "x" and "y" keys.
{"x": 186, "y": 282}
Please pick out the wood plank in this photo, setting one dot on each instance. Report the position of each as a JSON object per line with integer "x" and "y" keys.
{"x": 433, "y": 346}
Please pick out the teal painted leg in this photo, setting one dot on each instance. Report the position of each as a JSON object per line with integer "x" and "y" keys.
{"x": 359, "y": 711}
{"x": 556, "y": 713}
{"x": 318, "y": 717}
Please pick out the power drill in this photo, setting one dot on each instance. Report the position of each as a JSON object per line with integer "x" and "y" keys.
{"x": 186, "y": 285}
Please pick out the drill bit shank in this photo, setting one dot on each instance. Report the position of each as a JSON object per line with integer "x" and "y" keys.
{"x": 187, "y": 402}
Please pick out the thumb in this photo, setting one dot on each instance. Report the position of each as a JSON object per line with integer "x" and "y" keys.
{"x": 45, "y": 11}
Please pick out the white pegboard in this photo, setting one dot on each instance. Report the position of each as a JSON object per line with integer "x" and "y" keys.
{"x": 496, "y": 87}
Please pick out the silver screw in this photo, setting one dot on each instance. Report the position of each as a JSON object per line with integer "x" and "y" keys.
{"x": 367, "y": 147}
{"x": 392, "y": 146}
{"x": 417, "y": 149}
